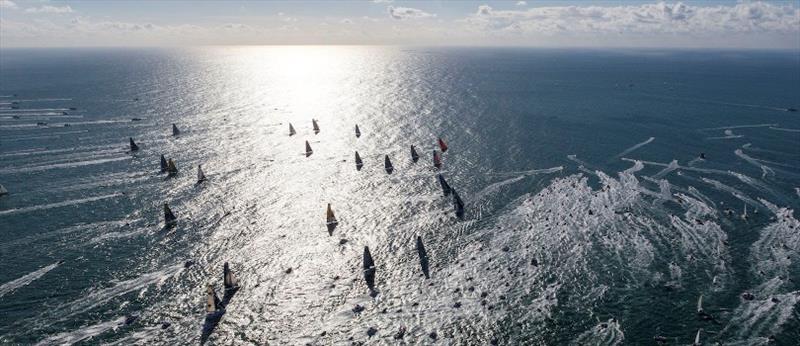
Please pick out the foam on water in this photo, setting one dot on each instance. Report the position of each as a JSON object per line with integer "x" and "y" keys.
{"x": 10, "y": 287}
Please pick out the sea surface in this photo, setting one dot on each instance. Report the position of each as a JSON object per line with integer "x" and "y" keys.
{"x": 590, "y": 217}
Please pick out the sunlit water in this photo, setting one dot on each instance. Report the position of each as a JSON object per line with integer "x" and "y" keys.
{"x": 579, "y": 226}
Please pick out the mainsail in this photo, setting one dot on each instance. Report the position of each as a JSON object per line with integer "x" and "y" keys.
{"x": 308, "y": 149}
{"x": 316, "y": 127}
{"x": 443, "y": 183}
{"x": 169, "y": 217}
{"x": 423, "y": 257}
{"x": 163, "y": 164}
{"x": 329, "y": 217}
{"x": 442, "y": 145}
{"x": 369, "y": 269}
{"x": 3, "y": 190}
{"x": 134, "y": 147}
{"x": 201, "y": 177}
{"x": 212, "y": 301}
{"x": 697, "y": 338}
{"x": 458, "y": 204}
{"x": 171, "y": 168}
{"x": 414, "y": 155}
{"x": 175, "y": 130}
{"x": 292, "y": 132}
{"x": 229, "y": 280}
{"x": 359, "y": 163}
{"x": 437, "y": 162}
{"x": 358, "y": 132}
{"x": 388, "y": 165}
{"x": 700, "y": 304}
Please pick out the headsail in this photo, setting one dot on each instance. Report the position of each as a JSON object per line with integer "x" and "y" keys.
{"x": 700, "y": 304}
{"x": 329, "y": 217}
{"x": 163, "y": 164}
{"x": 134, "y": 147}
{"x": 458, "y": 204}
{"x": 201, "y": 177}
{"x": 443, "y": 183}
{"x": 308, "y": 149}
{"x": 442, "y": 145}
{"x": 369, "y": 269}
{"x": 388, "y": 165}
{"x": 229, "y": 280}
{"x": 3, "y": 190}
{"x": 423, "y": 257}
{"x": 359, "y": 163}
{"x": 358, "y": 132}
{"x": 169, "y": 217}
{"x": 212, "y": 301}
{"x": 437, "y": 161}
{"x": 172, "y": 170}
{"x": 316, "y": 127}
{"x": 292, "y": 132}
{"x": 175, "y": 130}
{"x": 414, "y": 155}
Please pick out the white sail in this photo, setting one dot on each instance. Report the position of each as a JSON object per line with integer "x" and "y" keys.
{"x": 201, "y": 177}
{"x": 212, "y": 301}
{"x": 700, "y": 304}
{"x": 697, "y": 338}
{"x": 3, "y": 190}
{"x": 228, "y": 278}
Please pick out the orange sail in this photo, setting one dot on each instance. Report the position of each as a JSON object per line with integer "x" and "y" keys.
{"x": 442, "y": 145}
{"x": 437, "y": 162}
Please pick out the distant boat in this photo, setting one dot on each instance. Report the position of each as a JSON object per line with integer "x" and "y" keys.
{"x": 169, "y": 217}
{"x": 358, "y": 132}
{"x": 388, "y": 165}
{"x": 3, "y": 190}
{"x": 329, "y": 217}
{"x": 414, "y": 155}
{"x": 697, "y": 338}
{"x": 316, "y": 127}
{"x": 213, "y": 304}
{"x": 172, "y": 170}
{"x": 134, "y": 147}
{"x": 442, "y": 145}
{"x": 458, "y": 204}
{"x": 308, "y": 149}
{"x": 163, "y": 164}
{"x": 700, "y": 304}
{"x": 423, "y": 257}
{"x": 445, "y": 187}
{"x": 201, "y": 177}
{"x": 229, "y": 280}
{"x": 359, "y": 163}
{"x": 369, "y": 269}
{"x": 292, "y": 132}
{"x": 437, "y": 161}
{"x": 175, "y": 130}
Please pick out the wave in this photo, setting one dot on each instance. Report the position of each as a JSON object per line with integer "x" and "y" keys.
{"x": 634, "y": 148}
{"x": 87, "y": 332}
{"x": 57, "y": 205}
{"x": 63, "y": 165}
{"x": 25, "y": 280}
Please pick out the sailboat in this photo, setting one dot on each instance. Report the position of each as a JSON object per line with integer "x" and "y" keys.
{"x": 414, "y": 155}
{"x": 458, "y": 204}
{"x": 169, "y": 217}
{"x": 171, "y": 169}
{"x": 3, "y": 190}
{"x": 442, "y": 145}
{"x": 423, "y": 257}
{"x": 292, "y": 132}
{"x": 744, "y": 215}
{"x": 229, "y": 280}
{"x": 443, "y": 183}
{"x": 437, "y": 161}
{"x": 134, "y": 147}
{"x": 175, "y": 130}
{"x": 163, "y": 164}
{"x": 358, "y": 132}
{"x": 697, "y": 338}
{"x": 359, "y": 163}
{"x": 369, "y": 269}
{"x": 201, "y": 177}
{"x": 700, "y": 305}
{"x": 388, "y": 165}
{"x": 308, "y": 149}
{"x": 213, "y": 304}
{"x": 316, "y": 127}
{"x": 329, "y": 217}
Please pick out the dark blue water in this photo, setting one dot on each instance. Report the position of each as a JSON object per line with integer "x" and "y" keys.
{"x": 563, "y": 158}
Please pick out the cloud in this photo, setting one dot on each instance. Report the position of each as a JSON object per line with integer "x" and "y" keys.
{"x": 49, "y": 9}
{"x": 7, "y": 4}
{"x": 402, "y": 13}
{"x": 382, "y": 1}
{"x": 521, "y": 3}
{"x": 346, "y": 21}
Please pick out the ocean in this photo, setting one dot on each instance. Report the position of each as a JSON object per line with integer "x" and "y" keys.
{"x": 605, "y": 192}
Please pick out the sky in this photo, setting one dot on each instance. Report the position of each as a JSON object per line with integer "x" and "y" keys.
{"x": 535, "y": 23}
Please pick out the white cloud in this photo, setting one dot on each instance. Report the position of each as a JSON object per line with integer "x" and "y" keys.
{"x": 408, "y": 13}
{"x": 49, "y": 9}
{"x": 7, "y": 4}
{"x": 382, "y": 1}
{"x": 346, "y": 21}
{"x": 521, "y": 3}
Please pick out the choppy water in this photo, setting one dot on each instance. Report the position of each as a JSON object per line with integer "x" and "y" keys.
{"x": 589, "y": 217}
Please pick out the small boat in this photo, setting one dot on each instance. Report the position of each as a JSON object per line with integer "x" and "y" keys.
{"x": 169, "y": 217}
{"x": 292, "y": 132}
{"x": 213, "y": 304}
{"x": 388, "y": 165}
{"x": 172, "y": 170}
{"x": 369, "y": 269}
{"x": 3, "y": 190}
{"x": 445, "y": 187}
{"x": 316, "y": 127}
{"x": 163, "y": 164}
{"x": 201, "y": 177}
{"x": 442, "y": 145}
{"x": 134, "y": 147}
{"x": 358, "y": 132}
{"x": 700, "y": 305}
{"x": 697, "y": 338}
{"x": 64, "y": 113}
{"x": 458, "y": 204}
{"x": 175, "y": 130}
{"x": 73, "y": 108}
{"x": 308, "y": 149}
{"x": 414, "y": 155}
{"x": 229, "y": 280}
{"x": 423, "y": 257}
{"x": 437, "y": 161}
{"x": 329, "y": 217}
{"x": 791, "y": 109}
{"x": 359, "y": 163}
